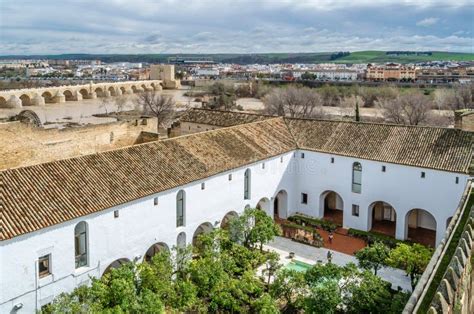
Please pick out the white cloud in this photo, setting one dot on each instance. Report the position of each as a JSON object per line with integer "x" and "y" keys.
{"x": 430, "y": 21}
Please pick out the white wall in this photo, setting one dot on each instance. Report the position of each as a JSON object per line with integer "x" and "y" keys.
{"x": 141, "y": 224}
{"x": 400, "y": 186}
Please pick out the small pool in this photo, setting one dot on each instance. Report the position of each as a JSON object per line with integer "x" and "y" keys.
{"x": 298, "y": 266}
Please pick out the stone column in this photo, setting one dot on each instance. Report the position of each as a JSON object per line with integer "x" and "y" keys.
{"x": 400, "y": 232}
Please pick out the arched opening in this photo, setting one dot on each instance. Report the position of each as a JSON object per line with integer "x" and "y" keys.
{"x": 264, "y": 204}
{"x": 84, "y": 93}
{"x": 144, "y": 87}
{"x": 383, "y": 218}
{"x": 116, "y": 264}
{"x": 420, "y": 227}
{"x": 48, "y": 97}
{"x": 280, "y": 205}
{"x": 112, "y": 91}
{"x": 154, "y": 249}
{"x": 81, "y": 247}
{"x": 181, "y": 209}
{"x": 181, "y": 240}
{"x": 202, "y": 229}
{"x": 332, "y": 207}
{"x": 99, "y": 92}
{"x": 247, "y": 184}
{"x": 135, "y": 89}
{"x": 228, "y": 218}
{"x": 153, "y": 86}
{"x": 25, "y": 100}
{"x": 69, "y": 95}
{"x": 3, "y": 103}
{"x": 123, "y": 90}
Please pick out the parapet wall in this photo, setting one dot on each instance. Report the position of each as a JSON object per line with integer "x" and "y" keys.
{"x": 449, "y": 273}
{"x": 24, "y": 145}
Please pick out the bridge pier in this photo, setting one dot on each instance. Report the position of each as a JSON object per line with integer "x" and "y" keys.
{"x": 38, "y": 101}
{"x": 14, "y": 102}
{"x": 59, "y": 98}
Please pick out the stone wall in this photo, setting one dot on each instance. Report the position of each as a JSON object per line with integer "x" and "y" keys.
{"x": 464, "y": 120}
{"x": 24, "y": 145}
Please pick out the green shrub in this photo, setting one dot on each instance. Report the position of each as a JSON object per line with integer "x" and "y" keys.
{"x": 372, "y": 237}
{"x": 314, "y": 222}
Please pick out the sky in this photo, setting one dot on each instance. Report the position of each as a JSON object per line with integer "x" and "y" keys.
{"x": 233, "y": 26}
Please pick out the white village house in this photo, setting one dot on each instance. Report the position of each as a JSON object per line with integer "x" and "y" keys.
{"x": 64, "y": 221}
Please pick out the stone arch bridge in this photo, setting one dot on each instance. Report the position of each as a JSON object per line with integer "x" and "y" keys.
{"x": 18, "y": 98}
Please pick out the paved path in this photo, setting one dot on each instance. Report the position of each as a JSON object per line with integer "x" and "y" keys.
{"x": 311, "y": 255}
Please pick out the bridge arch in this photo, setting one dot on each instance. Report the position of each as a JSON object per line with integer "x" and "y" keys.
{"x": 135, "y": 90}
{"x": 48, "y": 97}
{"x": 112, "y": 91}
{"x": 100, "y": 92}
{"x": 26, "y": 100}
{"x": 3, "y": 102}
{"x": 69, "y": 95}
{"x": 85, "y": 94}
{"x": 30, "y": 117}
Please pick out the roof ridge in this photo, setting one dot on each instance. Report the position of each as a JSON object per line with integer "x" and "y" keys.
{"x": 232, "y": 111}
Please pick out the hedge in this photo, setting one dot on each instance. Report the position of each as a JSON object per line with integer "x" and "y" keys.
{"x": 372, "y": 237}
{"x": 314, "y": 222}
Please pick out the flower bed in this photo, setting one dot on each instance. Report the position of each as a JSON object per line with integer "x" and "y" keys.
{"x": 302, "y": 234}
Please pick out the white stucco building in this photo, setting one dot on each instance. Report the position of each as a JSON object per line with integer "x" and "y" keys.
{"x": 67, "y": 220}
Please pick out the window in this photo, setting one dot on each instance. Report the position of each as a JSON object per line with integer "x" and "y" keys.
{"x": 80, "y": 244}
{"x": 44, "y": 264}
{"x": 155, "y": 201}
{"x": 384, "y": 168}
{"x": 263, "y": 165}
{"x": 116, "y": 214}
{"x": 302, "y": 155}
{"x": 247, "y": 184}
{"x": 304, "y": 198}
{"x": 180, "y": 208}
{"x": 203, "y": 186}
{"x": 355, "y": 210}
{"x": 332, "y": 160}
{"x": 356, "y": 177}
{"x": 423, "y": 175}
{"x": 281, "y": 159}
{"x": 457, "y": 180}
{"x": 230, "y": 177}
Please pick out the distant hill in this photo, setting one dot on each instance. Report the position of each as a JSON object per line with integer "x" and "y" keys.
{"x": 264, "y": 58}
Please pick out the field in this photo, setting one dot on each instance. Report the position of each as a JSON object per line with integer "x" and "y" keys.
{"x": 264, "y": 58}
{"x": 382, "y": 57}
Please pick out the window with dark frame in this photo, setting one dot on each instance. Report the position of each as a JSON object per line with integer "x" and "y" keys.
{"x": 263, "y": 165}
{"x": 332, "y": 160}
{"x": 302, "y": 155}
{"x": 384, "y": 168}
{"x": 356, "y": 177}
{"x": 203, "y": 186}
{"x": 44, "y": 265}
{"x": 304, "y": 198}
{"x": 423, "y": 175}
{"x": 116, "y": 214}
{"x": 355, "y": 210}
{"x": 155, "y": 201}
{"x": 180, "y": 208}
{"x": 230, "y": 177}
{"x": 457, "y": 180}
{"x": 281, "y": 159}
{"x": 247, "y": 184}
{"x": 80, "y": 244}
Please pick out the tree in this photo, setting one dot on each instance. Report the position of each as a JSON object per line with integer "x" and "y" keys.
{"x": 323, "y": 298}
{"x": 160, "y": 106}
{"x": 412, "y": 258}
{"x": 407, "y": 109}
{"x": 373, "y": 256}
{"x": 254, "y": 226}
{"x": 367, "y": 293}
{"x": 121, "y": 102}
{"x": 289, "y": 285}
{"x": 295, "y": 102}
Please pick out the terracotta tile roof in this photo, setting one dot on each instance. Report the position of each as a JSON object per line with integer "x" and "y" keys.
{"x": 427, "y": 147}
{"x": 43, "y": 195}
{"x": 220, "y": 118}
